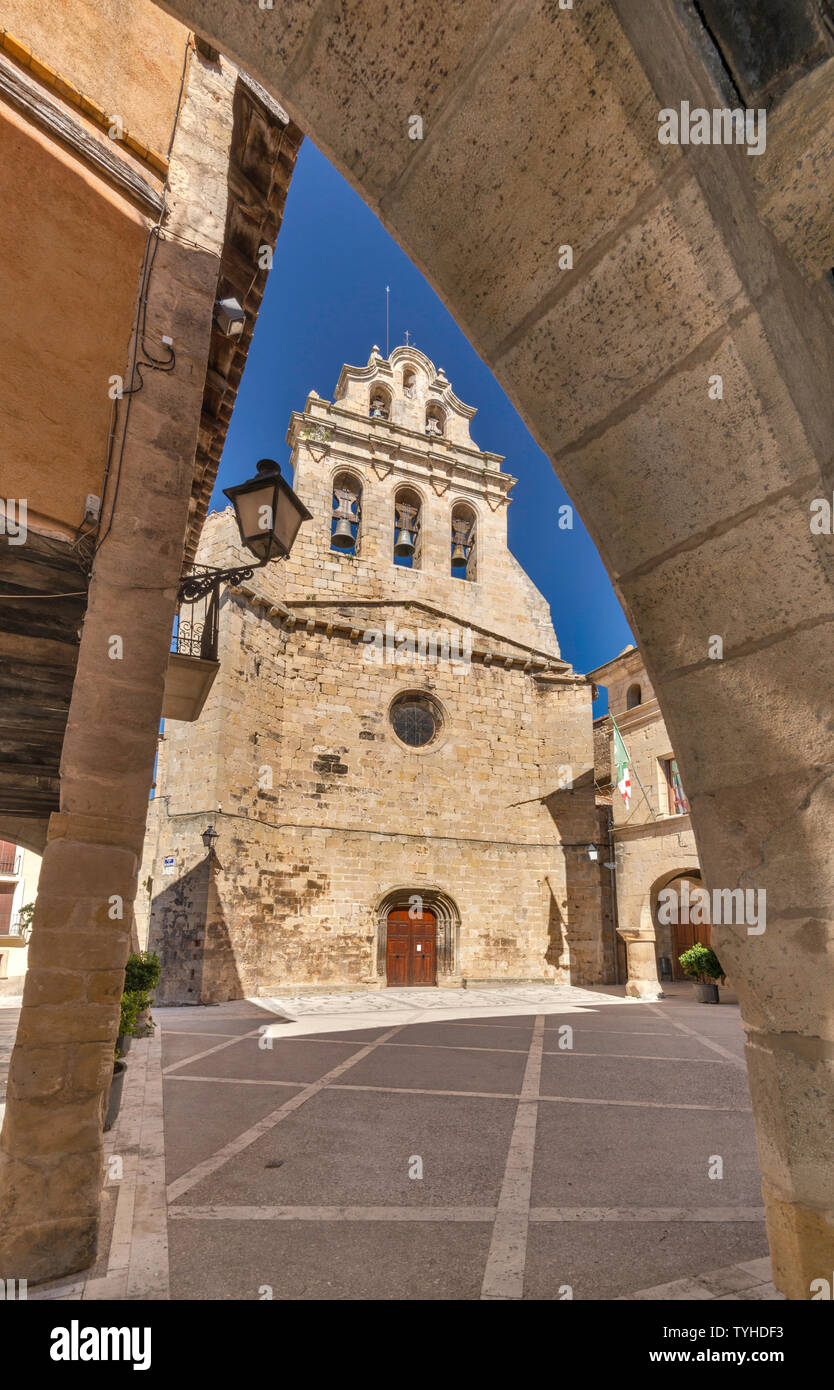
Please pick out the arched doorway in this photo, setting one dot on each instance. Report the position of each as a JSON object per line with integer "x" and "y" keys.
{"x": 434, "y": 917}
{"x": 411, "y": 947}
{"x": 675, "y": 929}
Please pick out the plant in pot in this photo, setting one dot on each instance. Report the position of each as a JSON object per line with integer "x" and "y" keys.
{"x": 142, "y": 974}
{"x": 703, "y": 965}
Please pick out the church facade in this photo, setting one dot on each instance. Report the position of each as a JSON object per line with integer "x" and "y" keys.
{"x": 396, "y": 760}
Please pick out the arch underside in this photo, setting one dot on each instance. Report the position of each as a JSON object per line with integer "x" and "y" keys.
{"x": 690, "y": 268}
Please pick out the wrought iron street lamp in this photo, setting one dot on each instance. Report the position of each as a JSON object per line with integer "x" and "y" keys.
{"x": 268, "y": 512}
{"x": 208, "y": 838}
{"x": 268, "y": 516}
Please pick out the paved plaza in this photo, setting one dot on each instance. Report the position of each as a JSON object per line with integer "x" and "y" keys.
{"x": 534, "y": 1142}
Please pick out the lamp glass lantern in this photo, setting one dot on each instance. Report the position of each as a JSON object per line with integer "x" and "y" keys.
{"x": 593, "y": 853}
{"x": 268, "y": 512}
{"x": 208, "y": 837}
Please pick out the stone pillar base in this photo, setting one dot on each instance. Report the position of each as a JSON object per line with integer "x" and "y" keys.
{"x": 801, "y": 1242}
{"x": 644, "y": 989}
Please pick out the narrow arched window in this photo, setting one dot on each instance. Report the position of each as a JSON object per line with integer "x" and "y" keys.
{"x": 463, "y": 552}
{"x": 380, "y": 405}
{"x": 435, "y": 420}
{"x": 407, "y": 528}
{"x": 634, "y": 697}
{"x": 347, "y": 514}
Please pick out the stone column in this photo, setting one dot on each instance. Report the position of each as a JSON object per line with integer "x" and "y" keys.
{"x": 50, "y": 1149}
{"x": 642, "y": 980}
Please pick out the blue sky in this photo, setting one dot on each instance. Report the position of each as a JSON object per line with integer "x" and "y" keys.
{"x": 325, "y": 305}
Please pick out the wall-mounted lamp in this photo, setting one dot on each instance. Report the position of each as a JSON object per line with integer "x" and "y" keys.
{"x": 268, "y": 512}
{"x": 593, "y": 853}
{"x": 208, "y": 838}
{"x": 229, "y": 317}
{"x": 268, "y": 517}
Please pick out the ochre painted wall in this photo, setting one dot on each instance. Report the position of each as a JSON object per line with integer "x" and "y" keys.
{"x": 125, "y": 55}
{"x": 68, "y": 307}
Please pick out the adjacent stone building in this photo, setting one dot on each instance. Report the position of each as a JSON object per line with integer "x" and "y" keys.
{"x": 396, "y": 759}
{"x": 652, "y": 837}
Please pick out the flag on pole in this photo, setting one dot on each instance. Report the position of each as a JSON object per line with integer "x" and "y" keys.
{"x": 621, "y": 760}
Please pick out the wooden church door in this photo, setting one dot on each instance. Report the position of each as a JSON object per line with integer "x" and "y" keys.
{"x": 410, "y": 948}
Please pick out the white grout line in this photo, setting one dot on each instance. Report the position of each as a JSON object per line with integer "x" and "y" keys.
{"x": 648, "y": 1104}
{"x": 148, "y": 1271}
{"x": 198, "y": 1056}
{"x": 236, "y": 1081}
{"x": 541, "y": 1215}
{"x": 444, "y": 1214}
{"x": 475, "y": 1095}
{"x": 694, "y": 1214}
{"x": 702, "y": 1038}
{"x": 249, "y": 1136}
{"x": 504, "y": 1273}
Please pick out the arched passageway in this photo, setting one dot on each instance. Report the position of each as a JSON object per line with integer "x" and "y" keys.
{"x": 674, "y": 929}
{"x": 675, "y": 365}
{"x": 662, "y": 318}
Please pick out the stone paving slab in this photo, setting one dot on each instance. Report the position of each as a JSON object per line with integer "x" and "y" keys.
{"x": 346, "y": 1148}
{"x": 440, "y": 1069}
{"x": 649, "y": 1157}
{"x": 749, "y": 1280}
{"x": 633, "y": 1044}
{"x": 707, "y": 1081}
{"x": 606, "y": 1260}
{"x": 433, "y": 1260}
{"x": 289, "y": 1059}
{"x": 202, "y": 1126}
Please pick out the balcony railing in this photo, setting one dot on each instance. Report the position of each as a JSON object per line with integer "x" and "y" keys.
{"x": 193, "y": 664}
{"x": 195, "y": 625}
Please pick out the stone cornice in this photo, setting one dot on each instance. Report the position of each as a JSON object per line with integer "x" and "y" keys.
{"x": 325, "y": 617}
{"x": 399, "y": 447}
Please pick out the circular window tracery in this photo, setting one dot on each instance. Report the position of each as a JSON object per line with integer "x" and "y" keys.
{"x": 416, "y": 719}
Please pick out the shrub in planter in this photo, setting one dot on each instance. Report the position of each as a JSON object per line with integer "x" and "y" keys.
{"x": 141, "y": 977}
{"x": 703, "y": 965}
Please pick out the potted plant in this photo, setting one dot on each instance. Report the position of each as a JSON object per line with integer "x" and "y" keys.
{"x": 703, "y": 965}
{"x": 115, "y": 1098}
{"x": 127, "y": 1023}
{"x": 141, "y": 977}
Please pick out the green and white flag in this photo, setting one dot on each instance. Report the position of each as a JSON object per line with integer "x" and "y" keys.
{"x": 622, "y": 771}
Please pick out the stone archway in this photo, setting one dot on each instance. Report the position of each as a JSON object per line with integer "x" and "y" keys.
{"x": 664, "y": 936}
{"x": 448, "y": 929}
{"x": 610, "y": 310}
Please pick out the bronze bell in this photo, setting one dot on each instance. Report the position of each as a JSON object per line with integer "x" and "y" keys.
{"x": 405, "y": 542}
{"x": 458, "y": 557}
{"x": 342, "y": 537}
